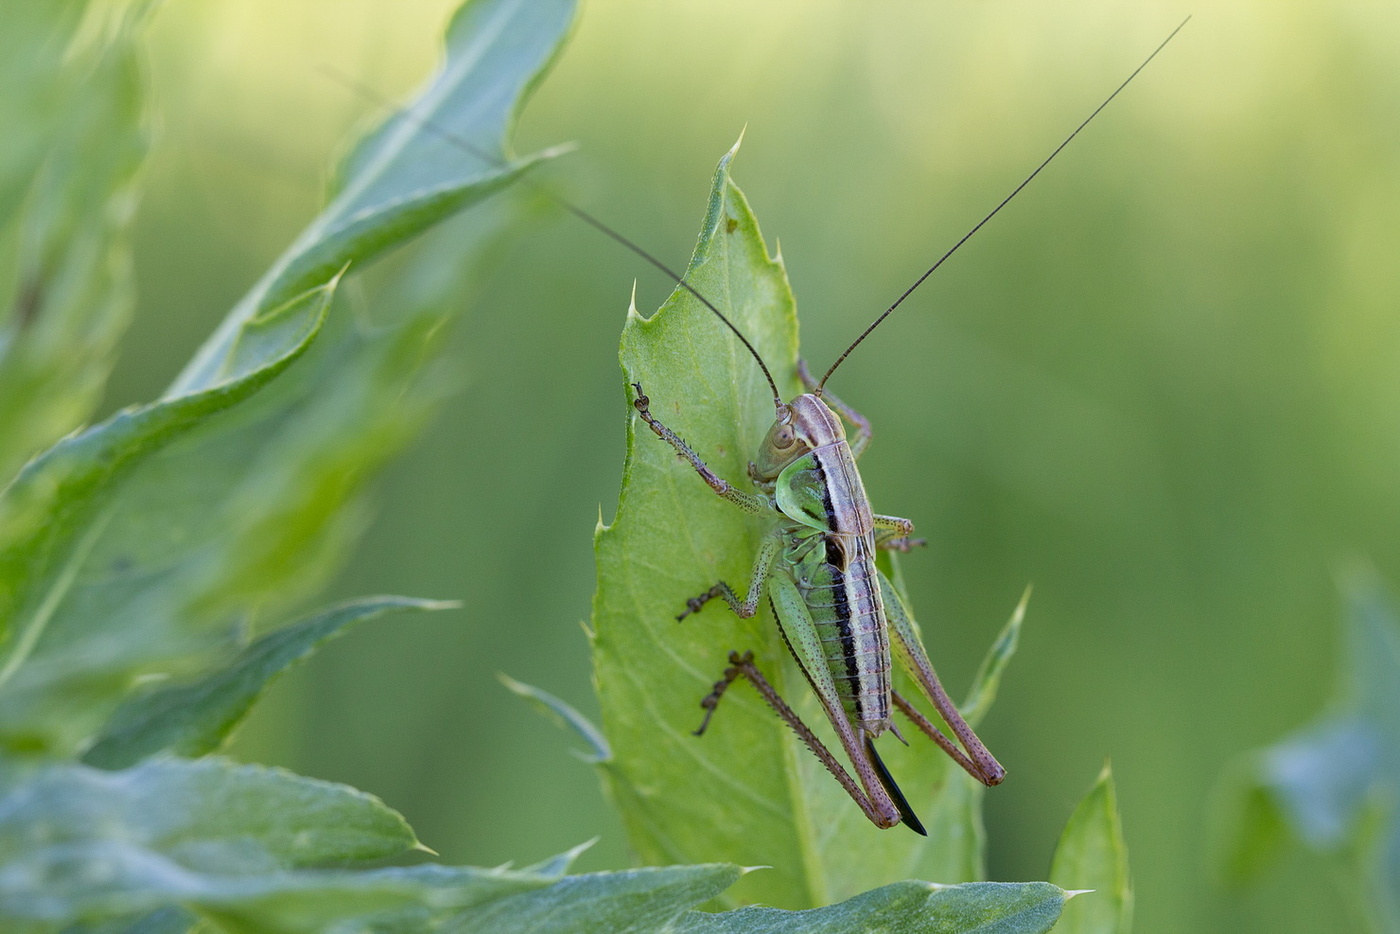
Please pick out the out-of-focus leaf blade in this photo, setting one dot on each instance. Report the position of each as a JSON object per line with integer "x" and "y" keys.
{"x": 563, "y": 714}
{"x": 252, "y": 513}
{"x": 747, "y": 790}
{"x": 1332, "y": 786}
{"x": 988, "y": 679}
{"x": 446, "y": 151}
{"x": 52, "y": 512}
{"x": 72, "y": 101}
{"x": 195, "y": 718}
{"x": 1092, "y": 855}
{"x": 168, "y": 920}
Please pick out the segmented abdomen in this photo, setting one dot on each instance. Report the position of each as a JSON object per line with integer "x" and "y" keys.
{"x": 843, "y": 596}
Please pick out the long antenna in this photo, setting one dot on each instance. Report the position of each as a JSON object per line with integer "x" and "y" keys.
{"x": 607, "y": 230}
{"x": 1016, "y": 191}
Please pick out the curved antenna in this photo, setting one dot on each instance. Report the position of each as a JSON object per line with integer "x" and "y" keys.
{"x": 467, "y": 145}
{"x": 993, "y": 213}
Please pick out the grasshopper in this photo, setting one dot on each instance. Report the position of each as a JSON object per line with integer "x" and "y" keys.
{"x": 842, "y": 619}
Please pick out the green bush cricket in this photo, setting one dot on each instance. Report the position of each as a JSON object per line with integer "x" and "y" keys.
{"x": 841, "y": 618}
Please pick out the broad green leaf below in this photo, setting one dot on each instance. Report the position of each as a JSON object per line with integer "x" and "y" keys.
{"x": 78, "y": 843}
{"x": 746, "y": 791}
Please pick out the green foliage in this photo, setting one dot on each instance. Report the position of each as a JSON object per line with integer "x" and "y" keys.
{"x": 1331, "y": 786}
{"x": 141, "y": 558}
{"x": 197, "y": 718}
{"x": 1092, "y": 856}
{"x": 75, "y": 137}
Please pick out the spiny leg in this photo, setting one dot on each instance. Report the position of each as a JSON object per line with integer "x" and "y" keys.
{"x": 978, "y": 761}
{"x": 858, "y": 421}
{"x": 935, "y": 734}
{"x": 746, "y": 501}
{"x": 743, "y": 666}
{"x": 746, "y": 608}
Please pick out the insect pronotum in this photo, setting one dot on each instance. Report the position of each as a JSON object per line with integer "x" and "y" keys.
{"x": 840, "y": 617}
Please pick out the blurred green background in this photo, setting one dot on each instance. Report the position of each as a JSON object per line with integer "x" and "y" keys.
{"x": 1161, "y": 387}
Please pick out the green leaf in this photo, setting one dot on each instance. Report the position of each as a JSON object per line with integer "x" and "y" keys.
{"x": 1092, "y": 856}
{"x": 51, "y": 514}
{"x": 196, "y": 718}
{"x": 1332, "y": 786}
{"x": 980, "y": 907}
{"x": 78, "y": 843}
{"x": 747, "y": 790}
{"x": 647, "y": 900}
{"x": 445, "y": 152}
{"x": 564, "y": 715}
{"x": 252, "y": 512}
{"x": 168, "y": 920}
{"x": 72, "y": 102}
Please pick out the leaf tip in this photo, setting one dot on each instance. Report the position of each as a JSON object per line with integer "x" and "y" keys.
{"x": 1071, "y": 893}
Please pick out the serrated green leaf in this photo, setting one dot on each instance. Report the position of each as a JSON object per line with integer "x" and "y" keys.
{"x": 78, "y": 843}
{"x": 196, "y": 718}
{"x": 72, "y": 104}
{"x": 1332, "y": 785}
{"x": 747, "y": 790}
{"x": 447, "y": 151}
{"x": 1092, "y": 856}
{"x": 628, "y": 902}
{"x": 912, "y": 907}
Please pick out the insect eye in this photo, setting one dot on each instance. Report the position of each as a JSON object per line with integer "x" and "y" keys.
{"x": 782, "y": 438}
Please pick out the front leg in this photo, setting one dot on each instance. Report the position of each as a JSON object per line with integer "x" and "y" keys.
{"x": 745, "y": 501}
{"x": 746, "y": 608}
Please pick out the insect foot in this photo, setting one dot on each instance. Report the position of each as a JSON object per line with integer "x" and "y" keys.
{"x": 711, "y": 700}
{"x": 694, "y": 604}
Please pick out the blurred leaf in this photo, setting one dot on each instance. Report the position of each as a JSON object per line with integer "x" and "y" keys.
{"x": 53, "y": 511}
{"x": 563, "y": 714}
{"x": 446, "y": 151}
{"x": 80, "y": 843}
{"x": 988, "y": 679}
{"x": 196, "y": 718}
{"x": 1333, "y": 786}
{"x": 1092, "y": 856}
{"x": 72, "y": 101}
{"x": 257, "y": 507}
{"x": 747, "y": 791}
{"x": 168, "y": 920}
